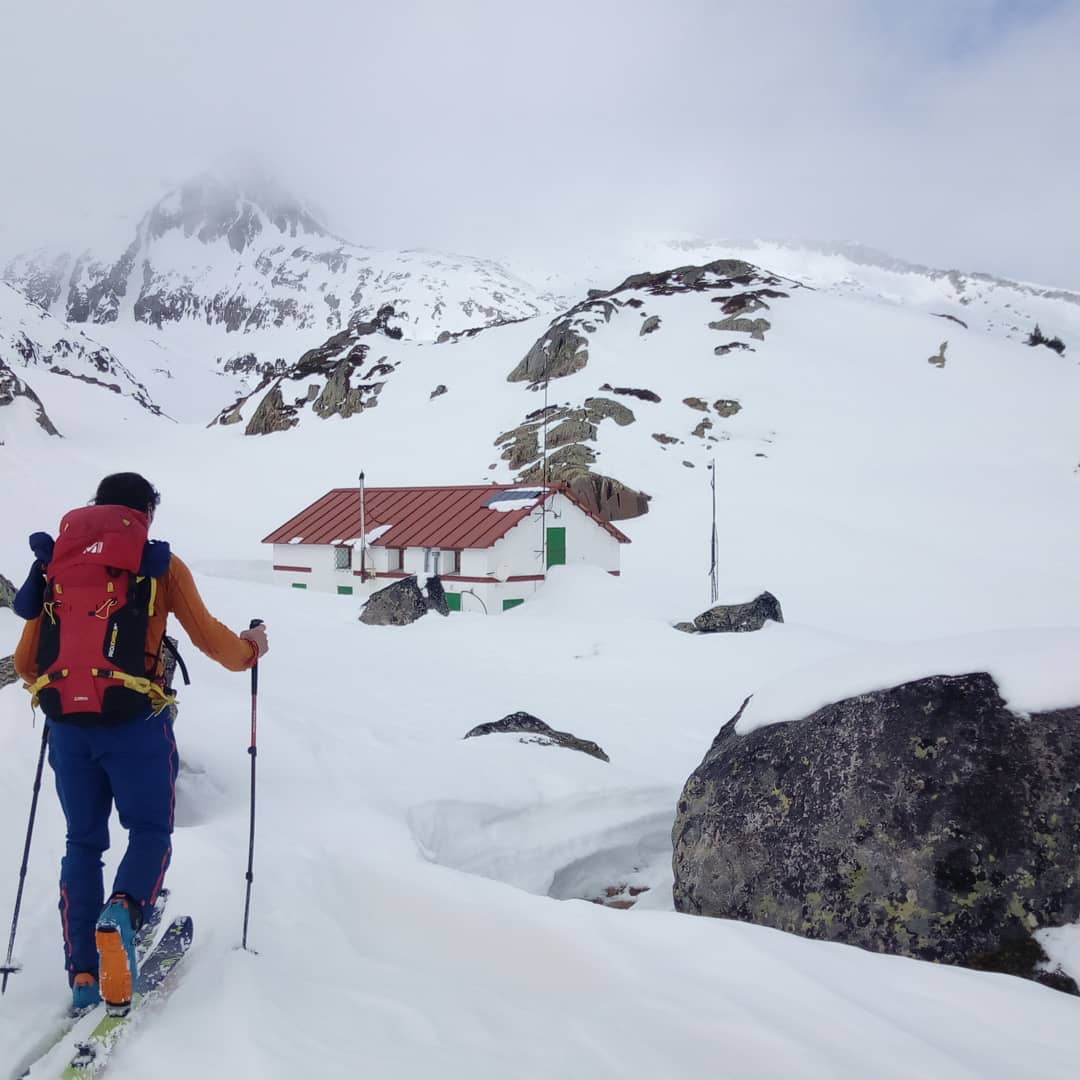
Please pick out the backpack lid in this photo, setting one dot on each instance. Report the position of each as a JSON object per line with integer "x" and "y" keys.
{"x": 112, "y": 536}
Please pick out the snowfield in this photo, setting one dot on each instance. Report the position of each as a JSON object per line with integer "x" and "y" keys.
{"x": 422, "y": 902}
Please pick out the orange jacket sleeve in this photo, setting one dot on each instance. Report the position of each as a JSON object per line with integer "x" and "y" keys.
{"x": 207, "y": 634}
{"x": 26, "y": 651}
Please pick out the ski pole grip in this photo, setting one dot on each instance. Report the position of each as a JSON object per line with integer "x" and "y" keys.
{"x": 255, "y": 666}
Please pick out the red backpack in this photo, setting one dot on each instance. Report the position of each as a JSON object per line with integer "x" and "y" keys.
{"x": 92, "y": 660}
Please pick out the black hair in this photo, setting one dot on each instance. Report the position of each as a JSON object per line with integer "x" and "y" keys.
{"x": 127, "y": 489}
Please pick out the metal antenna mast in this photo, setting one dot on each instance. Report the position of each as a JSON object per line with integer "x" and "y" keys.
{"x": 543, "y": 500}
{"x": 363, "y": 531}
{"x": 714, "y": 543}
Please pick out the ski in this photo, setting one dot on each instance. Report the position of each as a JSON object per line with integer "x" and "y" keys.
{"x": 92, "y": 1054}
{"x": 144, "y": 942}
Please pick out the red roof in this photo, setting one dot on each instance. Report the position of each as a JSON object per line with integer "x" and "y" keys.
{"x": 442, "y": 517}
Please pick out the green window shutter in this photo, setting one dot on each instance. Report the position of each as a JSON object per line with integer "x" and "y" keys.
{"x": 453, "y": 601}
{"x": 344, "y": 590}
{"x": 508, "y": 604}
{"x": 299, "y": 584}
{"x": 556, "y": 546}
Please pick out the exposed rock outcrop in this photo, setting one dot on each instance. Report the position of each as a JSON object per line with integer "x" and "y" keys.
{"x": 404, "y": 602}
{"x": 271, "y": 415}
{"x": 570, "y": 457}
{"x": 739, "y": 618}
{"x": 7, "y": 671}
{"x": 926, "y": 820}
{"x": 726, "y": 407}
{"x": 539, "y": 732}
{"x": 563, "y": 349}
{"x": 723, "y": 350}
{"x": 938, "y": 359}
{"x": 644, "y": 395}
{"x": 756, "y": 328}
{"x": 322, "y": 379}
{"x": 7, "y": 592}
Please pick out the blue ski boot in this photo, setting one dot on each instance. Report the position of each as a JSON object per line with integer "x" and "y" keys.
{"x": 84, "y": 992}
{"x": 119, "y": 968}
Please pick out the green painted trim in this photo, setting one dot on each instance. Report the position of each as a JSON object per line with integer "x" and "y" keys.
{"x": 508, "y": 604}
{"x": 453, "y": 601}
{"x": 299, "y": 584}
{"x": 556, "y": 545}
{"x": 344, "y": 590}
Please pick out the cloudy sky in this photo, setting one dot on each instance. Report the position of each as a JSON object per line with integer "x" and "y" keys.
{"x": 943, "y": 131}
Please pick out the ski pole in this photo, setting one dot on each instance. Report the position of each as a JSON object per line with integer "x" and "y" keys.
{"x": 253, "y": 751}
{"x": 9, "y": 968}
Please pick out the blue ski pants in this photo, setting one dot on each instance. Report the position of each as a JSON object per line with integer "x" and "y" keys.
{"x": 133, "y": 765}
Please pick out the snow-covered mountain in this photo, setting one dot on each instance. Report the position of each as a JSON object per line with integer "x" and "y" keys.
{"x": 891, "y": 476}
{"x": 241, "y": 256}
{"x": 33, "y": 340}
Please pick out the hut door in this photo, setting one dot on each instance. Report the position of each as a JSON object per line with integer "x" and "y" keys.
{"x": 556, "y": 546}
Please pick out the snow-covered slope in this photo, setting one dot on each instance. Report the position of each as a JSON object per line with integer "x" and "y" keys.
{"x": 33, "y": 340}
{"x": 998, "y": 306}
{"x": 245, "y": 256}
{"x": 421, "y": 901}
{"x": 21, "y": 410}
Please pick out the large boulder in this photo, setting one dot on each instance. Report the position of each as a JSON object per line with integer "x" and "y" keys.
{"x": 738, "y": 618}
{"x": 404, "y": 602}
{"x": 7, "y": 592}
{"x": 7, "y": 671}
{"x": 926, "y": 820}
{"x": 526, "y": 724}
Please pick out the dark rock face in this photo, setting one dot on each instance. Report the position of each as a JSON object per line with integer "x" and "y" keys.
{"x": 404, "y": 602}
{"x": 436, "y": 596}
{"x": 644, "y": 395}
{"x": 738, "y": 618}
{"x": 543, "y": 735}
{"x": 651, "y": 324}
{"x": 7, "y": 592}
{"x": 7, "y": 671}
{"x": 925, "y": 820}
